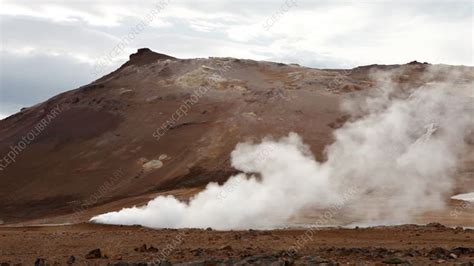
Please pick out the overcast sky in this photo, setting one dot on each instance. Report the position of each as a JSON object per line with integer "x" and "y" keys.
{"x": 52, "y": 46}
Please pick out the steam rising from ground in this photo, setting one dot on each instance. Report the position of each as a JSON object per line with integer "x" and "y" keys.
{"x": 398, "y": 154}
{"x": 464, "y": 197}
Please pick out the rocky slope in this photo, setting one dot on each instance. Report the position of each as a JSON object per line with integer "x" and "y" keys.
{"x": 159, "y": 123}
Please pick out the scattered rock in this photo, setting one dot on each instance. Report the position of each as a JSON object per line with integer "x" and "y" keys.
{"x": 436, "y": 225}
{"x": 462, "y": 251}
{"x": 381, "y": 253}
{"x": 226, "y": 247}
{"x": 198, "y": 252}
{"x": 143, "y": 248}
{"x": 350, "y": 251}
{"x": 412, "y": 253}
{"x": 71, "y": 260}
{"x": 133, "y": 264}
{"x": 394, "y": 261}
{"x": 310, "y": 260}
{"x": 41, "y": 262}
{"x": 439, "y": 253}
{"x": 152, "y": 249}
{"x": 94, "y": 254}
{"x": 206, "y": 262}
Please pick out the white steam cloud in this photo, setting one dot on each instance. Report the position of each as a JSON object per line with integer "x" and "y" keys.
{"x": 400, "y": 151}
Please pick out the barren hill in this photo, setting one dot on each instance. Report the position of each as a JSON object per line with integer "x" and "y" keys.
{"x": 159, "y": 123}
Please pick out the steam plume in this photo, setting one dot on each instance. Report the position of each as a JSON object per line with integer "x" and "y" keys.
{"x": 400, "y": 151}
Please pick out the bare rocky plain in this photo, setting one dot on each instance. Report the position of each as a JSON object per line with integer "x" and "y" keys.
{"x": 126, "y": 138}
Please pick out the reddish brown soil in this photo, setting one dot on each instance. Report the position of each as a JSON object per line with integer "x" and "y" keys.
{"x": 412, "y": 244}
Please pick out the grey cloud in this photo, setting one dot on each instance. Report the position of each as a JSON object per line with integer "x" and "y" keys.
{"x": 312, "y": 59}
{"x": 27, "y": 80}
{"x": 51, "y": 36}
{"x": 31, "y": 78}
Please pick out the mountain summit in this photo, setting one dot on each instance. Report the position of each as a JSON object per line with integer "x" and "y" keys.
{"x": 145, "y": 56}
